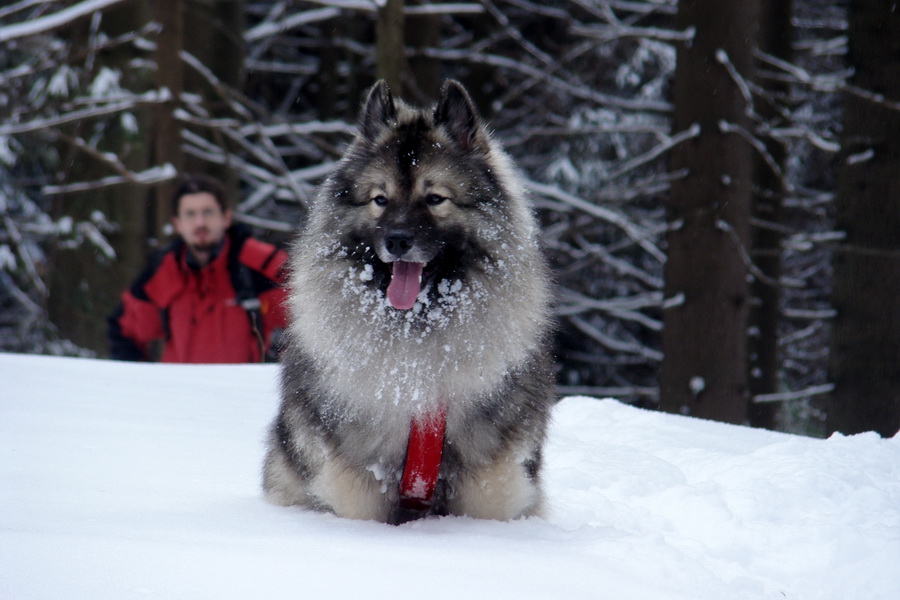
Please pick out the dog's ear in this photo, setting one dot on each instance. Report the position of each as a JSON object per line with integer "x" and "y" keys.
{"x": 457, "y": 113}
{"x": 378, "y": 111}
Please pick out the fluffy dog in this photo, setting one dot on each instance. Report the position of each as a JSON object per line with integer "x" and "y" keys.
{"x": 420, "y": 319}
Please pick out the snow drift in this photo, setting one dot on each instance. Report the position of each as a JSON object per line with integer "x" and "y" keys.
{"x": 126, "y": 480}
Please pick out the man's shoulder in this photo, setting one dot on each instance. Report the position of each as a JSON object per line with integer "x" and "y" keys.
{"x": 254, "y": 250}
{"x": 260, "y": 256}
{"x": 159, "y": 263}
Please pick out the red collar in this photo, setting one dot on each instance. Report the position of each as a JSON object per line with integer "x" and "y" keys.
{"x": 423, "y": 459}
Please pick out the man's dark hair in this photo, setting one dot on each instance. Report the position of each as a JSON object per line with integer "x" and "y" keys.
{"x": 195, "y": 184}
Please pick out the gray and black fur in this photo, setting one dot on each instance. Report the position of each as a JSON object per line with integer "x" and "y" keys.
{"x": 428, "y": 187}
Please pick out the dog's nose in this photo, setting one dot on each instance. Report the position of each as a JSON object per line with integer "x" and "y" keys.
{"x": 398, "y": 243}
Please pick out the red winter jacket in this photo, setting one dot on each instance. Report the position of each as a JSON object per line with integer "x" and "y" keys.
{"x": 197, "y": 311}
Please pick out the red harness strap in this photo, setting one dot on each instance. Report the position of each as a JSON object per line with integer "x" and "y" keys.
{"x": 423, "y": 460}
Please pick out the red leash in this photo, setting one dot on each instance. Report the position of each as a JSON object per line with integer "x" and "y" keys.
{"x": 423, "y": 460}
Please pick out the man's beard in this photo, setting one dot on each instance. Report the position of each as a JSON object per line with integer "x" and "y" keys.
{"x": 204, "y": 248}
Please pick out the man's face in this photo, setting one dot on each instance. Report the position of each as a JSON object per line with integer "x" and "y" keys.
{"x": 201, "y": 222}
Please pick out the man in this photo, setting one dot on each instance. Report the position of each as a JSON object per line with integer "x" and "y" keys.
{"x": 214, "y": 295}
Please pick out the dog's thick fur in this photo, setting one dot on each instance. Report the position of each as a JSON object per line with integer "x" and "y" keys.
{"x": 363, "y": 357}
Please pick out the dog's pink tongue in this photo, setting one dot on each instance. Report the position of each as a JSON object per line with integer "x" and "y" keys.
{"x": 406, "y": 280}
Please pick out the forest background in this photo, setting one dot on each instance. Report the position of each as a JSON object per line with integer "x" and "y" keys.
{"x": 718, "y": 180}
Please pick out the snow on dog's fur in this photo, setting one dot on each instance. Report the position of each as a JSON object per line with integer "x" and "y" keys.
{"x": 417, "y": 282}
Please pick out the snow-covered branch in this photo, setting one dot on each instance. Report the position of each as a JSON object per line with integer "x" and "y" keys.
{"x": 147, "y": 177}
{"x": 726, "y": 227}
{"x": 102, "y": 110}
{"x": 627, "y": 308}
{"x": 227, "y": 94}
{"x": 634, "y": 231}
{"x": 268, "y": 28}
{"x": 55, "y": 20}
{"x": 654, "y": 153}
{"x": 24, "y": 253}
{"x": 569, "y": 89}
{"x": 830, "y": 82}
{"x": 760, "y": 147}
{"x": 606, "y": 33}
{"x": 619, "y": 266}
{"x": 612, "y": 343}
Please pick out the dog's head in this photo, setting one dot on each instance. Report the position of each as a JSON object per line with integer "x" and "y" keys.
{"x": 417, "y": 190}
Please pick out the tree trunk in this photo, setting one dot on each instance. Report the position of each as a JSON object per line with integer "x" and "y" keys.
{"x": 169, "y": 75}
{"x": 704, "y": 370}
{"x": 768, "y": 199}
{"x": 217, "y": 40}
{"x": 864, "y": 363}
{"x": 390, "y": 51}
{"x": 425, "y": 73}
{"x": 84, "y": 284}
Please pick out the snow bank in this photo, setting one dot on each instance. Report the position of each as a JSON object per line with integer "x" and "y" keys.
{"x": 142, "y": 481}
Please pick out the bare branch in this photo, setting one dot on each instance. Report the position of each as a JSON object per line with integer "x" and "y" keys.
{"x": 816, "y": 390}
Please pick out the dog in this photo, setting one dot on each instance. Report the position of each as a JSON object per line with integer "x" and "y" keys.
{"x": 416, "y": 374}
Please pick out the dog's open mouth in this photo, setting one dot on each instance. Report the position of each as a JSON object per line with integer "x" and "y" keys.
{"x": 405, "y": 285}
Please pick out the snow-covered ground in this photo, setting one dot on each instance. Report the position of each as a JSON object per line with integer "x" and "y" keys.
{"x": 126, "y": 480}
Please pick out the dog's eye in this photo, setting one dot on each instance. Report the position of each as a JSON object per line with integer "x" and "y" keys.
{"x": 434, "y": 199}
{"x": 380, "y": 201}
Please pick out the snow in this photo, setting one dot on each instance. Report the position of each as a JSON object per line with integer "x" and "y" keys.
{"x": 106, "y": 83}
{"x": 121, "y": 480}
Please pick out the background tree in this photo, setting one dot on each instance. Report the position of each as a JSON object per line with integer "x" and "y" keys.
{"x": 390, "y": 47}
{"x": 770, "y": 188}
{"x": 167, "y": 129}
{"x": 100, "y": 50}
{"x": 580, "y": 93}
{"x": 866, "y": 346}
{"x": 130, "y": 72}
{"x": 704, "y": 337}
